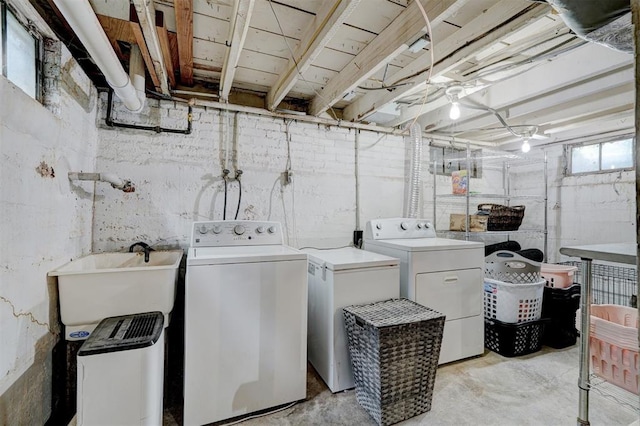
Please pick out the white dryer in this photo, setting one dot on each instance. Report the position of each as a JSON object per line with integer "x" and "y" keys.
{"x": 444, "y": 274}
{"x": 245, "y": 321}
{"x": 339, "y": 278}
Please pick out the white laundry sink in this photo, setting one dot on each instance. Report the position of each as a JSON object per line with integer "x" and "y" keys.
{"x": 102, "y": 285}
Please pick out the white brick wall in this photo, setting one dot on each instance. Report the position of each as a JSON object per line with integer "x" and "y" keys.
{"x": 178, "y": 179}
{"x": 46, "y": 221}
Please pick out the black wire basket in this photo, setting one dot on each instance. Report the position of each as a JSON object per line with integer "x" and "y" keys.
{"x": 502, "y": 218}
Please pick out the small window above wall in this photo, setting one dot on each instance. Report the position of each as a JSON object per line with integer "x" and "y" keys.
{"x": 19, "y": 53}
{"x": 600, "y": 157}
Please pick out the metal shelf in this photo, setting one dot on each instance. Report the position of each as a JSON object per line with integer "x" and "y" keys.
{"x": 610, "y": 391}
{"x": 500, "y": 196}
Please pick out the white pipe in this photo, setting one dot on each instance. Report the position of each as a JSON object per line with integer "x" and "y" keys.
{"x": 116, "y": 182}
{"x": 85, "y": 24}
{"x": 136, "y": 74}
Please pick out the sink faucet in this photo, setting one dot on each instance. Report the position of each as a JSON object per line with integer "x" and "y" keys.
{"x": 145, "y": 247}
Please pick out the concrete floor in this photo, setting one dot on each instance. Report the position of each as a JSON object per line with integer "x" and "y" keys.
{"x": 537, "y": 389}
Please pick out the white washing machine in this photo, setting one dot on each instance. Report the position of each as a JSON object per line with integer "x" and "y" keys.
{"x": 245, "y": 321}
{"x": 339, "y": 278}
{"x": 444, "y": 274}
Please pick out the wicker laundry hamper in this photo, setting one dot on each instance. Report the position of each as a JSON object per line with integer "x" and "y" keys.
{"x": 394, "y": 347}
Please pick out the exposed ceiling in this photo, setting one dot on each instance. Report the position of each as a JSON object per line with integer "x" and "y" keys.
{"x": 516, "y": 61}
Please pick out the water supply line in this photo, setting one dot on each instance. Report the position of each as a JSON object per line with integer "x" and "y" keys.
{"x": 84, "y": 22}
{"x": 415, "y": 172}
{"x": 124, "y": 185}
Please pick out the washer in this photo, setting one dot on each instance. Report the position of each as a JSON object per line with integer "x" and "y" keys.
{"x": 339, "y": 278}
{"x": 443, "y": 274}
{"x": 245, "y": 321}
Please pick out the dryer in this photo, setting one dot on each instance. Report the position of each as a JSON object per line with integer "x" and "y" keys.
{"x": 339, "y": 278}
{"x": 444, "y": 274}
{"x": 245, "y": 321}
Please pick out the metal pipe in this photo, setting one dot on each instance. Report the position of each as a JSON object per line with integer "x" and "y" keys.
{"x": 357, "y": 172}
{"x": 109, "y": 121}
{"x": 85, "y": 24}
{"x": 585, "y": 314}
{"x": 546, "y": 201}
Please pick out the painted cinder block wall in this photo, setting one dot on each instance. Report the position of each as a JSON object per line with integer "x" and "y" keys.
{"x": 46, "y": 221}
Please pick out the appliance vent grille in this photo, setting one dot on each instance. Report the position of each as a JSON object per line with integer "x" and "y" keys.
{"x": 141, "y": 326}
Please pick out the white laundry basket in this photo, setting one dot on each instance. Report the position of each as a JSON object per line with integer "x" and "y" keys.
{"x": 513, "y": 302}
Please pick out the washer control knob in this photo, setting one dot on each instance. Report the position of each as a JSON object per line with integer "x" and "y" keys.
{"x": 272, "y": 229}
{"x": 419, "y": 226}
{"x": 378, "y": 226}
{"x": 238, "y": 229}
{"x": 202, "y": 229}
{"x": 260, "y": 230}
{"x": 426, "y": 225}
{"x": 216, "y": 229}
{"x": 404, "y": 226}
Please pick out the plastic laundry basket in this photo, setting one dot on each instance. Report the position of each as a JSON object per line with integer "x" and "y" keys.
{"x": 557, "y": 276}
{"x": 513, "y": 303}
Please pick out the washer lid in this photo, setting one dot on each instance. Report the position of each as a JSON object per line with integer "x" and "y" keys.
{"x": 242, "y": 254}
{"x": 349, "y": 258}
{"x": 424, "y": 244}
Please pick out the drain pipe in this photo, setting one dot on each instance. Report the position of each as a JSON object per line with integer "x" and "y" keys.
{"x": 84, "y": 22}
{"x": 415, "y": 172}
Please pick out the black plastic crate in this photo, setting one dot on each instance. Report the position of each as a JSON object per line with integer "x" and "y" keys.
{"x": 559, "y": 305}
{"x": 394, "y": 348}
{"x": 513, "y": 339}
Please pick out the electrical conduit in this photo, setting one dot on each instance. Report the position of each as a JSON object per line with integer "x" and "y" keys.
{"x": 85, "y": 24}
{"x": 415, "y": 172}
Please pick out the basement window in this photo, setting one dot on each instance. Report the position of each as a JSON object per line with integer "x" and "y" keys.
{"x": 20, "y": 53}
{"x": 601, "y": 157}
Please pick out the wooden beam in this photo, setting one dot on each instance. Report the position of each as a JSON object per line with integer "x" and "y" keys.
{"x": 238, "y": 28}
{"x": 147, "y": 18}
{"x": 392, "y": 41}
{"x": 184, "y": 28}
{"x": 139, "y": 38}
{"x": 328, "y": 20}
{"x": 165, "y": 45}
{"x": 451, "y": 52}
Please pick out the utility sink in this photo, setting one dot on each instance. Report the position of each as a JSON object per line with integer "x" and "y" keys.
{"x": 101, "y": 285}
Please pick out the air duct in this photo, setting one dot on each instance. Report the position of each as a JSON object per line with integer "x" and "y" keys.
{"x": 603, "y": 22}
{"x": 415, "y": 172}
{"x": 82, "y": 19}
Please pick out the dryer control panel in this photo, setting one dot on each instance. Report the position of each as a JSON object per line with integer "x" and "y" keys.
{"x": 217, "y": 233}
{"x": 395, "y": 228}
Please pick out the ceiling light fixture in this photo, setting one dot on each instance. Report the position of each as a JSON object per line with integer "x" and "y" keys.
{"x": 453, "y": 93}
{"x": 526, "y": 135}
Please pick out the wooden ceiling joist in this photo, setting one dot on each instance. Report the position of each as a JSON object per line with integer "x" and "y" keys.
{"x": 147, "y": 17}
{"x": 393, "y": 40}
{"x": 184, "y": 29}
{"x": 165, "y": 45}
{"x": 238, "y": 28}
{"x": 148, "y": 61}
{"x": 327, "y": 21}
{"x": 448, "y": 53}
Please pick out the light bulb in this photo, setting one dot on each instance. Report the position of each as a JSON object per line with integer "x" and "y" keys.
{"x": 454, "y": 112}
{"x": 525, "y": 146}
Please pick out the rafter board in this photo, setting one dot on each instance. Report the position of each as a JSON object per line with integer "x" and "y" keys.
{"x": 388, "y": 44}
{"x": 374, "y": 15}
{"x": 147, "y": 17}
{"x": 322, "y": 29}
{"x": 455, "y": 49}
{"x": 184, "y": 27}
{"x": 118, "y": 29}
{"x": 137, "y": 32}
{"x": 242, "y": 16}
{"x": 210, "y": 28}
{"x": 470, "y": 12}
{"x": 173, "y": 44}
{"x": 165, "y": 45}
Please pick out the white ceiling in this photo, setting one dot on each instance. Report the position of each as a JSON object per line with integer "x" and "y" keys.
{"x": 514, "y": 58}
